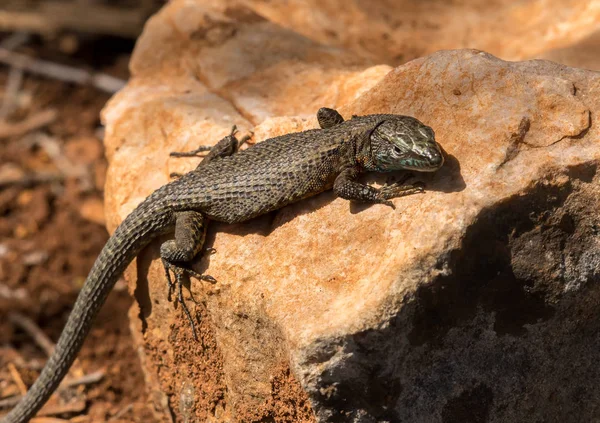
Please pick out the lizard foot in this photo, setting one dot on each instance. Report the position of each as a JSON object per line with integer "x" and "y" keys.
{"x": 192, "y": 153}
{"x": 244, "y": 139}
{"x": 181, "y": 274}
{"x": 387, "y": 192}
{"x": 225, "y": 147}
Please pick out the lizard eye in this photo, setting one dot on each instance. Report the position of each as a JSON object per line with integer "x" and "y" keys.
{"x": 397, "y": 150}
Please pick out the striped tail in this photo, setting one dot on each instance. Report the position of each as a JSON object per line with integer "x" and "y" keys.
{"x": 147, "y": 221}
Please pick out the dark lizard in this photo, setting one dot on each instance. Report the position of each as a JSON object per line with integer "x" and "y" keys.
{"x": 231, "y": 188}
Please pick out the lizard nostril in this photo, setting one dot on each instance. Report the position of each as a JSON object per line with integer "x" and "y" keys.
{"x": 436, "y": 158}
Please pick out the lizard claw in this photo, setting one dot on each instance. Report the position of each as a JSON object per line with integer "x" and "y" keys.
{"x": 398, "y": 190}
{"x": 245, "y": 139}
{"x": 180, "y": 274}
{"x": 208, "y": 278}
{"x": 389, "y": 203}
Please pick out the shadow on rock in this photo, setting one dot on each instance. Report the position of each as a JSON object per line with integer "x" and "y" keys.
{"x": 509, "y": 332}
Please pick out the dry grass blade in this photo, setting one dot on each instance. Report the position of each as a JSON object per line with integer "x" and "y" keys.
{"x": 17, "y": 378}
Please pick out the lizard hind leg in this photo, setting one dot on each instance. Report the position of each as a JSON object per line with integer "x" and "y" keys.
{"x": 225, "y": 147}
{"x": 177, "y": 254}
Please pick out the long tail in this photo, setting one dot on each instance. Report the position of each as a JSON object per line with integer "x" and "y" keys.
{"x": 149, "y": 220}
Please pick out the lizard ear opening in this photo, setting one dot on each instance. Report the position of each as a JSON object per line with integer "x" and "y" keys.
{"x": 364, "y": 151}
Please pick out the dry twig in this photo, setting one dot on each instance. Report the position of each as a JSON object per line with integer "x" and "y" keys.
{"x": 60, "y": 72}
{"x": 10, "y": 402}
{"x": 30, "y": 180}
{"x": 15, "y": 40}
{"x": 41, "y": 339}
{"x": 33, "y": 330}
{"x": 83, "y": 380}
{"x": 52, "y": 16}
{"x": 88, "y": 379}
{"x": 31, "y": 123}
{"x": 76, "y": 406}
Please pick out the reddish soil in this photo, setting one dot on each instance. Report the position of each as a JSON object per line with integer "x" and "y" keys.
{"x": 50, "y": 235}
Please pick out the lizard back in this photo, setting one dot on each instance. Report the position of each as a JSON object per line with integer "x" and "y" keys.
{"x": 264, "y": 177}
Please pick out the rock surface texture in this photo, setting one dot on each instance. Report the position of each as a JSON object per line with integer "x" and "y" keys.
{"x": 476, "y": 302}
{"x": 396, "y": 31}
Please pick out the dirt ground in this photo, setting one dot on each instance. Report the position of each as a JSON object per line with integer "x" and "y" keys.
{"x": 51, "y": 230}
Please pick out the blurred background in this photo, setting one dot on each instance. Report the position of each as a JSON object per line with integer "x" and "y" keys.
{"x": 60, "y": 62}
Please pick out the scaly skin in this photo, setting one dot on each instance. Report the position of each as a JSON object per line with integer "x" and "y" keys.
{"x": 230, "y": 188}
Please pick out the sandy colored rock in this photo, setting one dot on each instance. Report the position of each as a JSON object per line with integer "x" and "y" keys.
{"x": 394, "y": 32}
{"x": 92, "y": 209}
{"x": 474, "y": 302}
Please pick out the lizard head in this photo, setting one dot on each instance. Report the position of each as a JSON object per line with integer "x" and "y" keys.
{"x": 405, "y": 143}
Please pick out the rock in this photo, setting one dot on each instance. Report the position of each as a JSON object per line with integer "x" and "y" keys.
{"x": 474, "y": 302}
{"x": 91, "y": 209}
{"x": 394, "y": 32}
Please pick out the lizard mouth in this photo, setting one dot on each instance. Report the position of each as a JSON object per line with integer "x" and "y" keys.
{"x": 424, "y": 163}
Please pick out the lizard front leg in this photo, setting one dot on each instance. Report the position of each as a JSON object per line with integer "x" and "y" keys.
{"x": 346, "y": 186}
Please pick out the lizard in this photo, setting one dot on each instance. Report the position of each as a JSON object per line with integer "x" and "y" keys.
{"x": 235, "y": 186}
